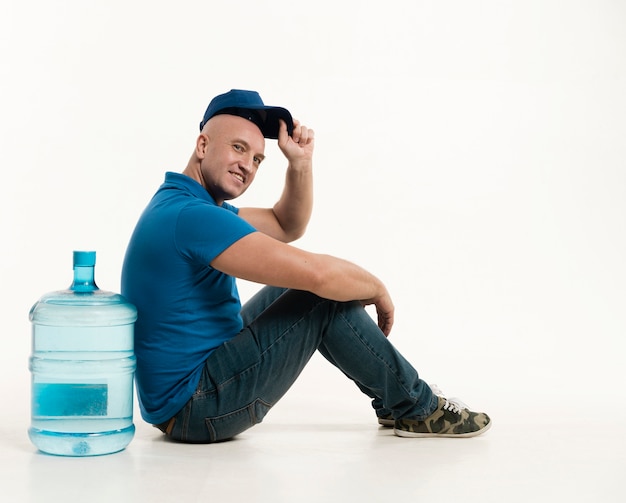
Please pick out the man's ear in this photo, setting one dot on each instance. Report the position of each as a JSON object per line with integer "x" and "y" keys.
{"x": 201, "y": 145}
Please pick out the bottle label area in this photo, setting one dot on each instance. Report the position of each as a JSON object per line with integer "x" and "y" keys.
{"x": 70, "y": 399}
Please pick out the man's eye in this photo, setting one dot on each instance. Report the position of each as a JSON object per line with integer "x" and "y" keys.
{"x": 257, "y": 160}
{"x": 239, "y": 148}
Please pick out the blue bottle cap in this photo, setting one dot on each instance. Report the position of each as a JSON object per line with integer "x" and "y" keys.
{"x": 84, "y": 258}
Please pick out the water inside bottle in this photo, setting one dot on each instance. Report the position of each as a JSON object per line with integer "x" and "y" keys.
{"x": 82, "y": 381}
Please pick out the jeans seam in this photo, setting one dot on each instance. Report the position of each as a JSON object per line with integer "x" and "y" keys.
{"x": 294, "y": 324}
{"x": 376, "y": 354}
{"x": 248, "y": 410}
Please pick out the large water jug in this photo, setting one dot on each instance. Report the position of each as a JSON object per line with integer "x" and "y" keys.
{"x": 82, "y": 367}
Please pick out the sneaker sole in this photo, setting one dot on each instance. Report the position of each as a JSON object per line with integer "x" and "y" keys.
{"x": 387, "y": 423}
{"x": 410, "y": 434}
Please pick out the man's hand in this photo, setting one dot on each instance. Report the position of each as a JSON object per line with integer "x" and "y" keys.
{"x": 385, "y": 311}
{"x": 297, "y": 148}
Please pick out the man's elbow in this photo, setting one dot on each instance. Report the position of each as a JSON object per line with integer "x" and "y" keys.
{"x": 293, "y": 234}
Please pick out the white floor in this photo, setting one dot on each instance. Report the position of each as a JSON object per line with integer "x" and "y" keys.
{"x": 311, "y": 450}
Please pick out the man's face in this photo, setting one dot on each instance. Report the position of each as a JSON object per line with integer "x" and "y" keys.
{"x": 233, "y": 150}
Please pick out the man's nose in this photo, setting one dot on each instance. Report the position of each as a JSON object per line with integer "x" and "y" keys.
{"x": 247, "y": 163}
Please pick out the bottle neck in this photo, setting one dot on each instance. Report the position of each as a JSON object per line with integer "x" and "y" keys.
{"x": 84, "y": 279}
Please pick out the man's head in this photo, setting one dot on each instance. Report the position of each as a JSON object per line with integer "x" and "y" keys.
{"x": 250, "y": 106}
{"x": 227, "y": 156}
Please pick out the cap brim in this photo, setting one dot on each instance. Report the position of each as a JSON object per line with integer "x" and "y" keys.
{"x": 266, "y": 118}
{"x": 271, "y": 124}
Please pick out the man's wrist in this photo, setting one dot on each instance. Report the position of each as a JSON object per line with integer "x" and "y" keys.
{"x": 303, "y": 165}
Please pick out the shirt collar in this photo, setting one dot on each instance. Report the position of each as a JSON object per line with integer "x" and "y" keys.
{"x": 188, "y": 184}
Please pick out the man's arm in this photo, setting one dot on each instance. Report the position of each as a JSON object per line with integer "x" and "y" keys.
{"x": 262, "y": 259}
{"x": 289, "y": 217}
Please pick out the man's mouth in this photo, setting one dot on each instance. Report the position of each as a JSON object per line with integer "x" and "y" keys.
{"x": 238, "y": 176}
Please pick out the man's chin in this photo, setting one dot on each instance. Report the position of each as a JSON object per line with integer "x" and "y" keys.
{"x": 235, "y": 194}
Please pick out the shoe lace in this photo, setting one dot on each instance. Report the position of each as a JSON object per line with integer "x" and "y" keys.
{"x": 452, "y": 403}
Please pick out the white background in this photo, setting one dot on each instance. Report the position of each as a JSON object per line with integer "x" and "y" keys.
{"x": 471, "y": 154}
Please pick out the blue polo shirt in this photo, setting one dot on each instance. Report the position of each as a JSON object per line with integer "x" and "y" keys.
{"x": 185, "y": 308}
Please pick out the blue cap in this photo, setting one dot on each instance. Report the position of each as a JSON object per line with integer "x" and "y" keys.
{"x": 249, "y": 105}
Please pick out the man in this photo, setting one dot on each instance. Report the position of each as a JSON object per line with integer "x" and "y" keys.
{"x": 208, "y": 368}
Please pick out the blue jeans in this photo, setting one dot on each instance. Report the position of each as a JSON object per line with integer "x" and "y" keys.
{"x": 246, "y": 376}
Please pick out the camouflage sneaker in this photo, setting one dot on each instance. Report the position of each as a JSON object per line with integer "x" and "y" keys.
{"x": 387, "y": 421}
{"x": 451, "y": 418}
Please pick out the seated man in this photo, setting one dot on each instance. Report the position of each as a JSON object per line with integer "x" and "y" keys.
{"x": 208, "y": 368}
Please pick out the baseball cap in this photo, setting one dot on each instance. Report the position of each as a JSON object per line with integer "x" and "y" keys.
{"x": 249, "y": 105}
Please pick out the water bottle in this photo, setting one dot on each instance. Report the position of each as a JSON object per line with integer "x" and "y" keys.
{"x": 82, "y": 367}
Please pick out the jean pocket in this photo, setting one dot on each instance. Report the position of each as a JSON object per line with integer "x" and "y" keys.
{"x": 227, "y": 426}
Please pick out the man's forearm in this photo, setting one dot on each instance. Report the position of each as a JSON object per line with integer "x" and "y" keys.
{"x": 293, "y": 209}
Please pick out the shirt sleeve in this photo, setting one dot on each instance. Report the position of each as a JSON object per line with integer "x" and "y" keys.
{"x": 204, "y": 231}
